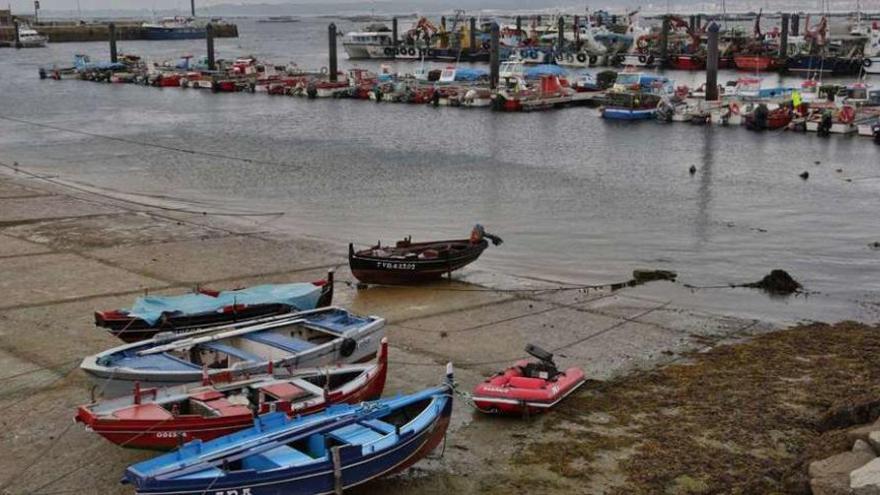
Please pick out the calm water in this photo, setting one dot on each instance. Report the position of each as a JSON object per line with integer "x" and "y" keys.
{"x": 576, "y": 198}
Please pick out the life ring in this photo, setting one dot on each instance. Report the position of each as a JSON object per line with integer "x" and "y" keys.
{"x": 867, "y": 63}
{"x": 643, "y": 59}
{"x": 734, "y": 108}
{"x": 847, "y": 115}
{"x": 581, "y": 58}
{"x": 593, "y": 59}
{"x": 412, "y": 52}
{"x": 324, "y": 70}
{"x": 532, "y": 54}
{"x": 389, "y": 51}
{"x": 650, "y": 59}
{"x": 569, "y": 57}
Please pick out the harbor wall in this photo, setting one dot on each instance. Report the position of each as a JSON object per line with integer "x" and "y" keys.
{"x": 100, "y": 32}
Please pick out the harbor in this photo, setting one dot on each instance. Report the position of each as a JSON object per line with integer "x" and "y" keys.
{"x": 644, "y": 269}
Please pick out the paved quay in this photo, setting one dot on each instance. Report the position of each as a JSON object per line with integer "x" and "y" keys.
{"x": 66, "y": 251}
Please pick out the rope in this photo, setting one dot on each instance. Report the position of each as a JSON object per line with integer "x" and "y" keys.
{"x": 147, "y": 144}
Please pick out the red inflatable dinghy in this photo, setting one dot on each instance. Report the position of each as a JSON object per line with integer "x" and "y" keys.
{"x": 527, "y": 387}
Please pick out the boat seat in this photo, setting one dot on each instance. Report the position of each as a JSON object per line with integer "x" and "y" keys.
{"x": 285, "y": 391}
{"x": 356, "y": 435}
{"x": 380, "y": 426}
{"x": 231, "y": 351}
{"x": 279, "y": 341}
{"x": 222, "y": 407}
{"x": 144, "y": 412}
{"x": 282, "y": 456}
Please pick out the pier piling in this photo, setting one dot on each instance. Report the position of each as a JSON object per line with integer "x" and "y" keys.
{"x": 192, "y": 8}
{"x": 394, "y": 31}
{"x": 693, "y": 23}
{"x": 795, "y": 24}
{"x": 494, "y": 56}
{"x": 577, "y": 30}
{"x": 111, "y": 33}
{"x": 560, "y": 34}
{"x": 331, "y": 34}
{"x": 712, "y": 63}
{"x": 17, "y": 34}
{"x": 783, "y": 37}
{"x": 664, "y": 40}
{"x": 519, "y": 26}
{"x": 472, "y": 39}
{"x": 699, "y": 21}
{"x": 209, "y": 37}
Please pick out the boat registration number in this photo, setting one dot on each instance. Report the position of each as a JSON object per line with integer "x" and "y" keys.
{"x": 170, "y": 434}
{"x": 243, "y": 491}
{"x": 396, "y": 266}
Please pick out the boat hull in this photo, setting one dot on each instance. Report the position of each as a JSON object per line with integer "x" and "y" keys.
{"x": 162, "y": 33}
{"x": 356, "y": 467}
{"x": 376, "y": 270}
{"x": 613, "y": 113}
{"x": 757, "y": 63}
{"x": 687, "y": 62}
{"x": 501, "y": 395}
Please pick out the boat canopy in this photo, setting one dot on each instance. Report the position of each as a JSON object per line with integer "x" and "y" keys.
{"x": 468, "y": 74}
{"x": 151, "y": 308}
{"x": 537, "y": 71}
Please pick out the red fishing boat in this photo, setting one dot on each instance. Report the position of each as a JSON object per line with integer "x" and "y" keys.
{"x": 411, "y": 262}
{"x": 687, "y": 62}
{"x": 528, "y": 387}
{"x": 758, "y": 62}
{"x": 763, "y": 119}
{"x": 131, "y": 326}
{"x": 164, "y": 418}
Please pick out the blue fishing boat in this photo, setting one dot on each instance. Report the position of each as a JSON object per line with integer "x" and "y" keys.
{"x": 328, "y": 452}
{"x": 174, "y": 28}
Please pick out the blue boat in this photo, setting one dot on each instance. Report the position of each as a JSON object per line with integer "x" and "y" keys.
{"x": 174, "y": 28}
{"x": 328, "y": 452}
{"x": 630, "y": 105}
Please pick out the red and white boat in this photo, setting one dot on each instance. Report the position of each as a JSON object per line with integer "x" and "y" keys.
{"x": 528, "y": 387}
{"x": 165, "y": 418}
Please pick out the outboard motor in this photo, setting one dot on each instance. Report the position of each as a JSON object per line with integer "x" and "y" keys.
{"x": 876, "y": 130}
{"x": 545, "y": 368}
{"x": 825, "y": 124}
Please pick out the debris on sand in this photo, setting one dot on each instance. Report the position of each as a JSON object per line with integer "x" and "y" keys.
{"x": 642, "y": 276}
{"x": 777, "y": 282}
{"x": 805, "y": 175}
{"x": 874, "y": 245}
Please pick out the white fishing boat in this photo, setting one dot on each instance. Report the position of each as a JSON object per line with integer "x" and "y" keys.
{"x": 376, "y": 41}
{"x": 30, "y": 38}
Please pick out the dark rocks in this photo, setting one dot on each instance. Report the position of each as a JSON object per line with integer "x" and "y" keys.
{"x": 642, "y": 276}
{"x": 777, "y": 282}
{"x": 805, "y": 175}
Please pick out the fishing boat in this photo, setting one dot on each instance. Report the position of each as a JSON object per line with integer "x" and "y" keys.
{"x": 205, "y": 308}
{"x": 322, "y": 453}
{"x": 527, "y": 387}
{"x": 764, "y": 119}
{"x": 285, "y": 343}
{"x": 871, "y": 65}
{"x": 164, "y": 418}
{"x": 278, "y": 19}
{"x": 757, "y": 62}
{"x": 375, "y": 39}
{"x": 630, "y": 106}
{"x": 687, "y": 62}
{"x": 174, "y": 28}
{"x": 28, "y": 37}
{"x": 411, "y": 262}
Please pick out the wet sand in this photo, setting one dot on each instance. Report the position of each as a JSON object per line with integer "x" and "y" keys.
{"x": 65, "y": 253}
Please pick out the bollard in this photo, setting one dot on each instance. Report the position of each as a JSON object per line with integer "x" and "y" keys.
{"x": 209, "y": 36}
{"x": 394, "y": 31}
{"x": 712, "y": 63}
{"x": 795, "y": 24}
{"x": 494, "y": 56}
{"x": 472, "y": 40}
{"x": 783, "y": 37}
{"x": 111, "y": 33}
{"x": 17, "y": 35}
{"x": 560, "y": 34}
{"x": 192, "y": 8}
{"x": 664, "y": 40}
{"x": 331, "y": 32}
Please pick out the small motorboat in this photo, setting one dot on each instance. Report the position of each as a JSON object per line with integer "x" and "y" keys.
{"x": 153, "y": 314}
{"x": 285, "y": 343}
{"x": 322, "y": 453}
{"x": 165, "y": 418}
{"x": 527, "y": 387}
{"x": 764, "y": 119}
{"x": 411, "y": 262}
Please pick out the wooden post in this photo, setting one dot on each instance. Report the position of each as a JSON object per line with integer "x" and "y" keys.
{"x": 192, "y": 7}
{"x": 664, "y": 40}
{"x": 209, "y": 35}
{"x": 394, "y": 31}
{"x": 494, "y": 56}
{"x": 337, "y": 470}
{"x": 519, "y": 27}
{"x": 111, "y": 31}
{"x": 17, "y": 34}
{"x": 693, "y": 23}
{"x": 331, "y": 34}
{"x": 712, "y": 63}
{"x": 795, "y": 24}
{"x": 783, "y": 37}
{"x": 560, "y": 34}
{"x": 472, "y": 40}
